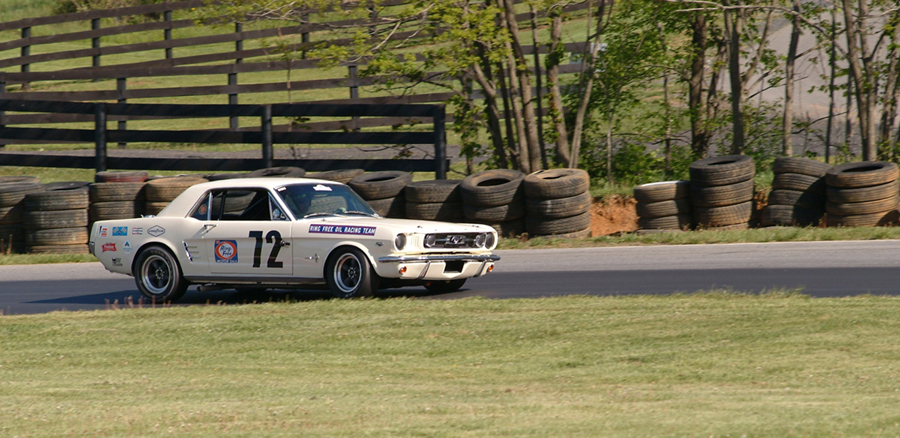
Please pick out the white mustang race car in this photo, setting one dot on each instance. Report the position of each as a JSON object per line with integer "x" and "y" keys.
{"x": 287, "y": 233}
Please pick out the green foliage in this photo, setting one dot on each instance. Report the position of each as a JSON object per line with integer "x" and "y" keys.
{"x": 634, "y": 164}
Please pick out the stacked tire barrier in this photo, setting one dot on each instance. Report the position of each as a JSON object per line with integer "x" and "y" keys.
{"x": 161, "y": 191}
{"x": 117, "y": 195}
{"x": 496, "y": 198}
{"x": 434, "y": 200}
{"x": 384, "y": 191}
{"x": 862, "y": 194}
{"x": 722, "y": 192}
{"x": 798, "y": 193}
{"x": 340, "y": 175}
{"x": 278, "y": 172}
{"x": 13, "y": 190}
{"x": 56, "y": 220}
{"x": 558, "y": 203}
{"x": 664, "y": 206}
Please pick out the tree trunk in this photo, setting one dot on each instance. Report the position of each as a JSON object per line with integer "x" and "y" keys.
{"x": 733, "y": 29}
{"x": 485, "y": 79}
{"x": 696, "y": 103}
{"x": 862, "y": 75}
{"x": 515, "y": 98}
{"x": 556, "y": 105}
{"x": 521, "y": 70}
{"x": 787, "y": 147}
{"x": 588, "y": 81}
{"x": 891, "y": 94}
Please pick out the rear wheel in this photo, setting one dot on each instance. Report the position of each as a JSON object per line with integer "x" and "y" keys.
{"x": 445, "y": 286}
{"x": 158, "y": 275}
{"x": 349, "y": 274}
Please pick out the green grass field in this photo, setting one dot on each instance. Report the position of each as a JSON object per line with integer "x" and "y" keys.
{"x": 712, "y": 365}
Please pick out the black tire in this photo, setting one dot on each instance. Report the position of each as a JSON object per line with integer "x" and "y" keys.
{"x": 280, "y": 172}
{"x": 662, "y": 191}
{"x": 57, "y": 236}
{"x": 803, "y": 166}
{"x": 59, "y": 249}
{"x": 863, "y": 220}
{"x": 123, "y": 191}
{"x": 167, "y": 189}
{"x": 13, "y": 193}
{"x": 67, "y": 185}
{"x": 720, "y": 196}
{"x": 445, "y": 286}
{"x": 549, "y": 227}
{"x": 113, "y": 176}
{"x": 114, "y": 210}
{"x": 19, "y": 179}
{"x": 500, "y": 213}
{"x": 863, "y": 174}
{"x": 431, "y": 191}
{"x": 391, "y": 207}
{"x": 556, "y": 183}
{"x": 787, "y": 215}
{"x": 860, "y": 208}
{"x": 492, "y": 188}
{"x": 224, "y": 176}
{"x": 740, "y": 226}
{"x": 435, "y": 211}
{"x": 657, "y": 231}
{"x": 663, "y": 208}
{"x": 57, "y": 200}
{"x": 509, "y": 229}
{"x": 559, "y": 207}
{"x": 380, "y": 185}
{"x": 349, "y": 274}
{"x": 12, "y": 215}
{"x": 677, "y": 222}
{"x": 158, "y": 275}
{"x": 45, "y": 220}
{"x": 339, "y": 175}
{"x": 720, "y": 171}
{"x": 806, "y": 200}
{"x": 154, "y": 208}
{"x": 862, "y": 194}
{"x": 723, "y": 216}
{"x": 796, "y": 181}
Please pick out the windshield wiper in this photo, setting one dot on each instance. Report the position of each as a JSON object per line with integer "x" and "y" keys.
{"x": 359, "y": 212}
{"x": 317, "y": 215}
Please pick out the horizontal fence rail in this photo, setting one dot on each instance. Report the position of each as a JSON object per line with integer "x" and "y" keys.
{"x": 265, "y": 136}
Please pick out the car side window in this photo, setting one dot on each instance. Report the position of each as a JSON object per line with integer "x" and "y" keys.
{"x": 201, "y": 211}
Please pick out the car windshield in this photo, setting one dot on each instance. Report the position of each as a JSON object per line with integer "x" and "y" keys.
{"x": 308, "y": 200}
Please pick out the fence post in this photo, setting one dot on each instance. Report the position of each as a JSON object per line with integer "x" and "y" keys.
{"x": 2, "y": 114}
{"x": 167, "y": 33}
{"x": 440, "y": 143}
{"x": 239, "y": 43}
{"x": 354, "y": 93}
{"x": 304, "y": 37}
{"x": 233, "y": 121}
{"x": 95, "y": 44}
{"x": 120, "y": 88}
{"x": 100, "y": 136}
{"x": 26, "y": 51}
{"x": 266, "y": 130}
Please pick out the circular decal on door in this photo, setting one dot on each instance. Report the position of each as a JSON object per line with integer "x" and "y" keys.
{"x": 226, "y": 251}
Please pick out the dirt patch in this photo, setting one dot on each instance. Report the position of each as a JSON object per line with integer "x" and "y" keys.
{"x": 613, "y": 214}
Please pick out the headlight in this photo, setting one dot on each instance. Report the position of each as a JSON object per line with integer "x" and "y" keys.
{"x": 400, "y": 241}
{"x": 430, "y": 240}
{"x": 480, "y": 239}
{"x": 490, "y": 241}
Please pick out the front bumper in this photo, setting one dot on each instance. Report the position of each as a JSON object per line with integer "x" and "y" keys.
{"x": 440, "y": 258}
{"x": 436, "y": 267}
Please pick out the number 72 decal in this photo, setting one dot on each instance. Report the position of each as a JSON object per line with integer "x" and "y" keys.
{"x": 271, "y": 237}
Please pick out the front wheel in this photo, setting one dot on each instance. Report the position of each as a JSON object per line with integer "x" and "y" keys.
{"x": 158, "y": 275}
{"x": 445, "y": 286}
{"x": 349, "y": 274}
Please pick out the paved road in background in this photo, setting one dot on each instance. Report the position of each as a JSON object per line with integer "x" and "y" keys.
{"x": 822, "y": 269}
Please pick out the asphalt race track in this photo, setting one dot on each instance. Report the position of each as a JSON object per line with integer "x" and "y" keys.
{"x": 822, "y": 269}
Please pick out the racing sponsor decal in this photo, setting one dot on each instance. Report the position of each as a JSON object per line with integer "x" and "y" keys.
{"x": 156, "y": 231}
{"x": 116, "y": 261}
{"x": 226, "y": 251}
{"x": 342, "y": 229}
{"x": 109, "y": 247}
{"x": 104, "y": 231}
{"x": 126, "y": 248}
{"x": 119, "y": 231}
{"x": 137, "y": 231}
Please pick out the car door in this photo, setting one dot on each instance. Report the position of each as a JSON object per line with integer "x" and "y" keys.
{"x": 242, "y": 237}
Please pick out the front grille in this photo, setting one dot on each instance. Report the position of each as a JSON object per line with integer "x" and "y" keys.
{"x": 451, "y": 240}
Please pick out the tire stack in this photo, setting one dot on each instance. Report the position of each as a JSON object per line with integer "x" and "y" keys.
{"x": 160, "y": 192}
{"x": 116, "y": 195}
{"x": 722, "y": 192}
{"x": 798, "y": 193}
{"x": 862, "y": 194}
{"x": 434, "y": 200}
{"x": 663, "y": 206}
{"x": 558, "y": 203}
{"x": 13, "y": 190}
{"x": 342, "y": 176}
{"x": 56, "y": 220}
{"x": 278, "y": 172}
{"x": 496, "y": 198}
{"x": 383, "y": 191}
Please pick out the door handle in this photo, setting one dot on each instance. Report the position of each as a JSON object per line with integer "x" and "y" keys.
{"x": 208, "y": 227}
{"x": 285, "y": 243}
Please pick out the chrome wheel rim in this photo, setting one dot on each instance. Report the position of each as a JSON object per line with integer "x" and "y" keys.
{"x": 347, "y": 273}
{"x": 156, "y": 274}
